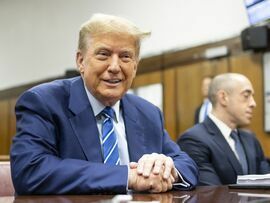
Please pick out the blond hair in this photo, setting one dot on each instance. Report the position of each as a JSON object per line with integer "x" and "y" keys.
{"x": 102, "y": 24}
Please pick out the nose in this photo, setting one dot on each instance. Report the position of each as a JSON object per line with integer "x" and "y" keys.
{"x": 114, "y": 65}
{"x": 252, "y": 102}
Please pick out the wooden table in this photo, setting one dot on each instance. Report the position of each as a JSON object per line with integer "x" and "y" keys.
{"x": 202, "y": 194}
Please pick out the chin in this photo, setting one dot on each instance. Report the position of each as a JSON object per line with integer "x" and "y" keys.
{"x": 112, "y": 99}
{"x": 245, "y": 123}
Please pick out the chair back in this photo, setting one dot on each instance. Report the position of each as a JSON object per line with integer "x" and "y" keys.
{"x": 6, "y": 185}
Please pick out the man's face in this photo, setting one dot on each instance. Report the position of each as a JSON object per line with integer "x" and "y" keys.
{"x": 108, "y": 66}
{"x": 241, "y": 103}
{"x": 205, "y": 86}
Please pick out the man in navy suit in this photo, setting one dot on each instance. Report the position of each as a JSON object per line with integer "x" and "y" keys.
{"x": 219, "y": 156}
{"x": 59, "y": 146}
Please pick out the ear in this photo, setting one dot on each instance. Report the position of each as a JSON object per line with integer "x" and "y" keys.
{"x": 135, "y": 70}
{"x": 79, "y": 61}
{"x": 223, "y": 97}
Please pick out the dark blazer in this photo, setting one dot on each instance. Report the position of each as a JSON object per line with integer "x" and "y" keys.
{"x": 197, "y": 114}
{"x": 216, "y": 161}
{"x": 57, "y": 149}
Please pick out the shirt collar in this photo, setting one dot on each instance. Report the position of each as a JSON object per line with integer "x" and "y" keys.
{"x": 225, "y": 130}
{"x": 97, "y": 106}
{"x": 206, "y": 100}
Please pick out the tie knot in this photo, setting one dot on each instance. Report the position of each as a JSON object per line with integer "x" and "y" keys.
{"x": 108, "y": 112}
{"x": 234, "y": 135}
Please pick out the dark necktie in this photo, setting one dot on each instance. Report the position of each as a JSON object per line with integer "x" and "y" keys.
{"x": 109, "y": 139}
{"x": 240, "y": 151}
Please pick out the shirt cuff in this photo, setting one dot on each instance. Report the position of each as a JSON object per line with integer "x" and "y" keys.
{"x": 127, "y": 178}
{"x": 182, "y": 182}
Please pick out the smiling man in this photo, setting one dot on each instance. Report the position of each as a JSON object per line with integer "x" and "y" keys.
{"x": 219, "y": 147}
{"x": 85, "y": 135}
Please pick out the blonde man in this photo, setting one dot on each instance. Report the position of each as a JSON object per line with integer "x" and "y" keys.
{"x": 86, "y": 135}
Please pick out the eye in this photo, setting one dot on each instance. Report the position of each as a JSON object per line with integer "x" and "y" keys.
{"x": 126, "y": 56}
{"x": 247, "y": 95}
{"x": 102, "y": 54}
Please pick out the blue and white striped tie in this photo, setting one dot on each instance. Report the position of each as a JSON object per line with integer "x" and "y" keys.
{"x": 109, "y": 139}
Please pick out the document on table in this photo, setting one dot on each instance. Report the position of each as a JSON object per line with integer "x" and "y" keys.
{"x": 263, "y": 179}
{"x": 252, "y": 181}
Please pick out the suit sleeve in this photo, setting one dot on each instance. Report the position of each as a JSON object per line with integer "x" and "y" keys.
{"x": 200, "y": 153}
{"x": 36, "y": 165}
{"x": 183, "y": 163}
{"x": 263, "y": 164}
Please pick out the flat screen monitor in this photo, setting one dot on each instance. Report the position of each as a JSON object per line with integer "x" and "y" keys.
{"x": 258, "y": 11}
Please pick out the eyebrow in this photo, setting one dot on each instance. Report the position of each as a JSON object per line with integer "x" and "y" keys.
{"x": 249, "y": 91}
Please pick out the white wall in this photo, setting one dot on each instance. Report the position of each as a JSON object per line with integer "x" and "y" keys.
{"x": 38, "y": 38}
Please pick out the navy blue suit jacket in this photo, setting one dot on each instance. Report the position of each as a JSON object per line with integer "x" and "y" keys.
{"x": 57, "y": 149}
{"x": 216, "y": 161}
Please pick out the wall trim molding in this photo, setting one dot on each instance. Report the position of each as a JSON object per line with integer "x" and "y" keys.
{"x": 159, "y": 62}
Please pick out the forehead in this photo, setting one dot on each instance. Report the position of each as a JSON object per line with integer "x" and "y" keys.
{"x": 113, "y": 41}
{"x": 206, "y": 81}
{"x": 243, "y": 86}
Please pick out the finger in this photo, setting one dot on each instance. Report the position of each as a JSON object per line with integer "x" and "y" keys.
{"x": 169, "y": 165}
{"x": 175, "y": 174}
{"x": 133, "y": 165}
{"x": 156, "y": 188}
{"x": 140, "y": 165}
{"x": 172, "y": 179}
{"x": 158, "y": 165}
{"x": 170, "y": 186}
{"x": 167, "y": 185}
{"x": 148, "y": 166}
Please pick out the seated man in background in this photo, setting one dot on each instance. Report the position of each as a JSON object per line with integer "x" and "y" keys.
{"x": 203, "y": 110}
{"x": 219, "y": 147}
{"x": 85, "y": 135}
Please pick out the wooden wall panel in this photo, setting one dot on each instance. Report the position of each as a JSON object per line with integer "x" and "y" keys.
{"x": 12, "y": 119}
{"x": 4, "y": 127}
{"x": 250, "y": 65}
{"x": 147, "y": 79}
{"x": 169, "y": 107}
{"x": 188, "y": 95}
{"x": 188, "y": 85}
{"x": 7, "y": 126}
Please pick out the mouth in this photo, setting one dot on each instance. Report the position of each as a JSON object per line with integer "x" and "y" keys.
{"x": 249, "y": 115}
{"x": 113, "y": 81}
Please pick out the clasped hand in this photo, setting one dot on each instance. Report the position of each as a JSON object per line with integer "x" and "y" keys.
{"x": 153, "y": 172}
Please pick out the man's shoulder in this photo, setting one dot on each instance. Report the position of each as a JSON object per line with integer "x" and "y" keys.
{"x": 138, "y": 101}
{"x": 198, "y": 131}
{"x": 140, "y": 105}
{"x": 53, "y": 87}
{"x": 57, "y": 90}
{"x": 247, "y": 134}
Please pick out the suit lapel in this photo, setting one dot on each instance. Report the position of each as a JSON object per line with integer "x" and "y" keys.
{"x": 84, "y": 121}
{"x": 219, "y": 139}
{"x": 134, "y": 130}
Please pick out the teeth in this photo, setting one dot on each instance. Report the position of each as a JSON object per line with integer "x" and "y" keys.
{"x": 113, "y": 81}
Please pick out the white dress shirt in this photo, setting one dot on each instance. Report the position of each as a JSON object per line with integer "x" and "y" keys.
{"x": 205, "y": 109}
{"x": 118, "y": 123}
{"x": 225, "y": 131}
{"x": 119, "y": 127}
